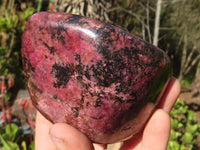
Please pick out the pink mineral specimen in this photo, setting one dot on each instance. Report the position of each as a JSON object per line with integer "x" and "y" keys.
{"x": 94, "y": 76}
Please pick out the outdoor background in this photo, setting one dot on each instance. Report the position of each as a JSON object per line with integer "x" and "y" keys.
{"x": 172, "y": 25}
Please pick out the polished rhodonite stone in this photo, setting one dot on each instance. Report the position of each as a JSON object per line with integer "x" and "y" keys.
{"x": 94, "y": 76}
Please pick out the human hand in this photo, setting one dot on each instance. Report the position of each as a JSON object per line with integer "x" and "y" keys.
{"x": 155, "y": 135}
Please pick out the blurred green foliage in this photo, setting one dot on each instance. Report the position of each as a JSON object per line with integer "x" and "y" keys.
{"x": 13, "y": 18}
{"x": 184, "y": 128}
{"x": 12, "y": 139}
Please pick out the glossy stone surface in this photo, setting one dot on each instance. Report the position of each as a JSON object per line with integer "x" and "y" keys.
{"x": 94, "y": 76}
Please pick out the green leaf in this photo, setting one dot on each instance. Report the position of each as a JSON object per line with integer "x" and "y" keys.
{"x": 174, "y": 135}
{"x": 8, "y": 145}
{"x": 11, "y": 146}
{"x": 24, "y": 145}
{"x": 182, "y": 147}
{"x": 179, "y": 108}
{"x": 190, "y": 116}
{"x": 187, "y": 138}
{"x": 12, "y": 130}
{"x": 192, "y": 128}
{"x": 173, "y": 145}
{"x": 176, "y": 124}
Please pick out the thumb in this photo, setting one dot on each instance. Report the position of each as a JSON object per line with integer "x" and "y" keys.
{"x": 67, "y": 137}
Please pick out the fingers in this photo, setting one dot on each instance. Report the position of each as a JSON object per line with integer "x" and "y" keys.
{"x": 155, "y": 135}
{"x": 157, "y": 132}
{"x": 66, "y": 137}
{"x": 60, "y": 136}
{"x": 157, "y": 129}
{"x": 170, "y": 95}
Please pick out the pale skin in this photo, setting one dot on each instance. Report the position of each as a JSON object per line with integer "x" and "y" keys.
{"x": 155, "y": 135}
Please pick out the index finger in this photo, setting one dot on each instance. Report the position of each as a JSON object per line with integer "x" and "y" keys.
{"x": 170, "y": 95}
